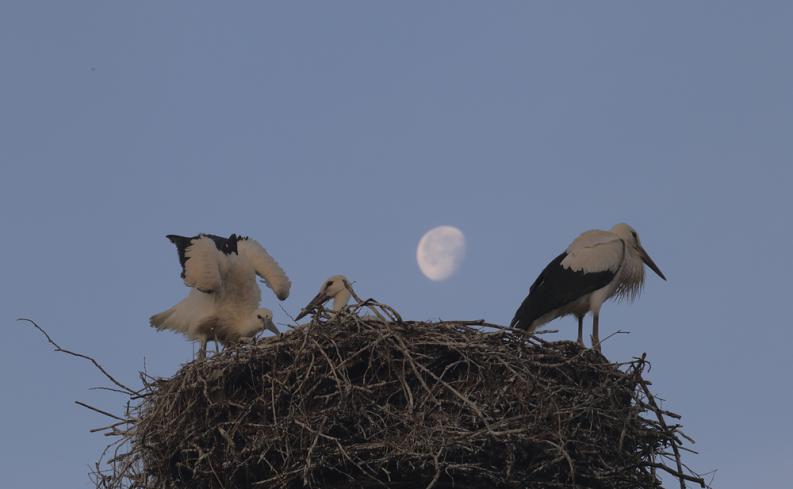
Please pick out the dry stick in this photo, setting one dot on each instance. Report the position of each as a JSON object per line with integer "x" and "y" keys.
{"x": 451, "y": 389}
{"x": 109, "y": 427}
{"x": 437, "y": 469}
{"x": 619, "y": 331}
{"x": 96, "y": 364}
{"x": 311, "y": 450}
{"x": 100, "y": 388}
{"x": 661, "y": 420}
{"x": 361, "y": 302}
{"x": 99, "y": 411}
{"x": 413, "y": 366}
{"x": 681, "y": 476}
{"x": 566, "y": 455}
{"x": 343, "y": 452}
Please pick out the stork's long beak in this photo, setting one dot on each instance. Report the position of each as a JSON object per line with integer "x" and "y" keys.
{"x": 650, "y": 263}
{"x": 318, "y": 300}
{"x": 271, "y": 326}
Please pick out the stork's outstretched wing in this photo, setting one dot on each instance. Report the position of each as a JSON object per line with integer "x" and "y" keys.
{"x": 266, "y": 267}
{"x": 203, "y": 259}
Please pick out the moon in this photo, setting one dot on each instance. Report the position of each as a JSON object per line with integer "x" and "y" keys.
{"x": 440, "y": 252}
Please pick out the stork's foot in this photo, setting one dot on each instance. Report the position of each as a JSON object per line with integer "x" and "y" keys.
{"x": 595, "y": 344}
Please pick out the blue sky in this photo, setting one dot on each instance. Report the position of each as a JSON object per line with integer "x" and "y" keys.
{"x": 337, "y": 133}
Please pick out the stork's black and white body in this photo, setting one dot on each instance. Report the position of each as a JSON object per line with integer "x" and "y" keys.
{"x": 596, "y": 266}
{"x": 223, "y": 304}
{"x": 337, "y": 288}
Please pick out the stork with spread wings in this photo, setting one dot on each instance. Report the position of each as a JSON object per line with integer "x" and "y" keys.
{"x": 223, "y": 303}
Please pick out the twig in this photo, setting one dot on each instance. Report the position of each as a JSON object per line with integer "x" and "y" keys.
{"x": 99, "y": 411}
{"x": 674, "y": 443}
{"x": 80, "y": 355}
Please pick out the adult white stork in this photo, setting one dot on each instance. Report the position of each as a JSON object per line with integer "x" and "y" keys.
{"x": 223, "y": 304}
{"x": 596, "y": 266}
{"x": 336, "y": 288}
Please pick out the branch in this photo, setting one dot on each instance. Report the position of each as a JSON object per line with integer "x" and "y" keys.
{"x": 80, "y": 355}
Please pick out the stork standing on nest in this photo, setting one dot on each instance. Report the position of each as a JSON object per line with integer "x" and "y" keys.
{"x": 337, "y": 288}
{"x": 596, "y": 266}
{"x": 223, "y": 304}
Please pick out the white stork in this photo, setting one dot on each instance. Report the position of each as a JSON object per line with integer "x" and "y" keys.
{"x": 596, "y": 266}
{"x": 335, "y": 287}
{"x": 223, "y": 304}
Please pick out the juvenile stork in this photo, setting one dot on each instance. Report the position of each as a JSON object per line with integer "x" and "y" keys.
{"x": 596, "y": 266}
{"x": 223, "y": 304}
{"x": 336, "y": 288}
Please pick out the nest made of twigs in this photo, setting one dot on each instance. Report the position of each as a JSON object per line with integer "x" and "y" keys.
{"x": 356, "y": 402}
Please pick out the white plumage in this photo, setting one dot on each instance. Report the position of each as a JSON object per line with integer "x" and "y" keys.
{"x": 596, "y": 266}
{"x": 223, "y": 304}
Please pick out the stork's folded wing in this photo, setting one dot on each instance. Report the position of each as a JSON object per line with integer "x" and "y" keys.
{"x": 595, "y": 251}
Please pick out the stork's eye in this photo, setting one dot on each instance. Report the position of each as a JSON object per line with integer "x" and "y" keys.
{"x": 330, "y": 282}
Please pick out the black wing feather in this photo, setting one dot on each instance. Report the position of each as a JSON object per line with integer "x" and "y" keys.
{"x": 224, "y": 245}
{"x": 557, "y": 286}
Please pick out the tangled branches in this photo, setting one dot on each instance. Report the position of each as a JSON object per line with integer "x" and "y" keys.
{"x": 366, "y": 402}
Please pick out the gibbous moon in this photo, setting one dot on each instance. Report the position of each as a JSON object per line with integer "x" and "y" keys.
{"x": 440, "y": 252}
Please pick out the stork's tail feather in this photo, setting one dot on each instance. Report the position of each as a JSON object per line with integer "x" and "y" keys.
{"x": 158, "y": 320}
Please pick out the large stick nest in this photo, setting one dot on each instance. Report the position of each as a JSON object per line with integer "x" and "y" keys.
{"x": 358, "y": 402}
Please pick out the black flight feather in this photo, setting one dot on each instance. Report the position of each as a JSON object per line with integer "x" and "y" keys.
{"x": 225, "y": 245}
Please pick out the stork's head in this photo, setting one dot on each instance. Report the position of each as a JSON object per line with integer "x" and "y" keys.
{"x": 631, "y": 238}
{"x": 335, "y": 288}
{"x": 265, "y": 319}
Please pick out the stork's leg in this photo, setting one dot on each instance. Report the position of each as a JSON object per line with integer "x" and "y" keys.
{"x": 202, "y": 351}
{"x": 595, "y": 333}
{"x": 581, "y": 331}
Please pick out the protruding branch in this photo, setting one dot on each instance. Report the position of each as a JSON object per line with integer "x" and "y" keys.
{"x": 80, "y": 355}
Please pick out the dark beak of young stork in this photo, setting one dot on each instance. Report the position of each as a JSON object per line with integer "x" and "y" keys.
{"x": 650, "y": 263}
{"x": 317, "y": 301}
{"x": 270, "y": 325}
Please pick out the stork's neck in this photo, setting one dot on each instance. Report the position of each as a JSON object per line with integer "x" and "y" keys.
{"x": 631, "y": 277}
{"x": 340, "y": 299}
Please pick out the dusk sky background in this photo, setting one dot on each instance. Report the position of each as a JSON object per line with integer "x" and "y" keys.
{"x": 337, "y": 133}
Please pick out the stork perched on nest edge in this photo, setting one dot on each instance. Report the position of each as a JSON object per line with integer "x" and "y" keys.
{"x": 223, "y": 304}
{"x": 595, "y": 267}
